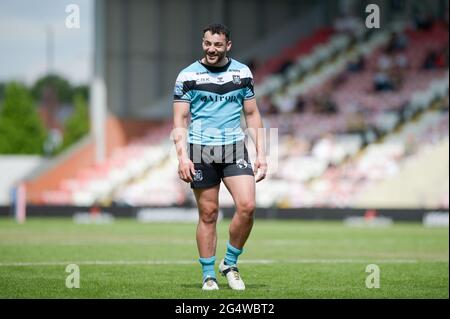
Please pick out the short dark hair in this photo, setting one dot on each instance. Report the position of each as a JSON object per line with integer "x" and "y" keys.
{"x": 217, "y": 28}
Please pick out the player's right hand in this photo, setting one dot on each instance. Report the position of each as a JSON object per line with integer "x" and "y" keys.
{"x": 186, "y": 169}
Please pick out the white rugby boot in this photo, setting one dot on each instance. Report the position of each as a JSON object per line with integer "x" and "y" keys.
{"x": 210, "y": 283}
{"x": 233, "y": 276}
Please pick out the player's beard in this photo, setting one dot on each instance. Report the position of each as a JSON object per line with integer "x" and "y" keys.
{"x": 215, "y": 60}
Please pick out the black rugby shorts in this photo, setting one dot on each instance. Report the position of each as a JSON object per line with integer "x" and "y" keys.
{"x": 214, "y": 162}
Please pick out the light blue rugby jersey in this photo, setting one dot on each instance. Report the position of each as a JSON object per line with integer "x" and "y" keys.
{"x": 216, "y": 96}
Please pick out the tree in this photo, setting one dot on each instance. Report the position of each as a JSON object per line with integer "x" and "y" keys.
{"x": 21, "y": 130}
{"x": 59, "y": 84}
{"x": 2, "y": 91}
{"x": 81, "y": 90}
{"x": 77, "y": 124}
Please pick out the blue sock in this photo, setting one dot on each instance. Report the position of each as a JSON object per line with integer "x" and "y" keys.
{"x": 232, "y": 255}
{"x": 208, "y": 266}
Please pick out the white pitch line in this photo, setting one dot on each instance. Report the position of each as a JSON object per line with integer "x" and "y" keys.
{"x": 99, "y": 262}
{"x": 190, "y": 262}
{"x": 351, "y": 261}
{"x": 103, "y": 242}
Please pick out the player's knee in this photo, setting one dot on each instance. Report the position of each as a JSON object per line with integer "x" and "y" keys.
{"x": 209, "y": 214}
{"x": 246, "y": 208}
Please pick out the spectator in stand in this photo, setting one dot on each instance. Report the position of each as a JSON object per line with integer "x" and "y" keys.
{"x": 330, "y": 105}
{"x": 441, "y": 61}
{"x": 349, "y": 24}
{"x": 401, "y": 61}
{"x": 436, "y": 59}
{"x": 423, "y": 20}
{"x": 337, "y": 81}
{"x": 300, "y": 104}
{"x": 397, "y": 42}
{"x": 396, "y": 75}
{"x": 356, "y": 64}
{"x": 252, "y": 65}
{"x": 266, "y": 106}
{"x": 389, "y": 76}
{"x": 430, "y": 59}
{"x": 356, "y": 123}
{"x": 292, "y": 145}
{"x": 327, "y": 149}
{"x": 287, "y": 103}
{"x": 383, "y": 82}
{"x": 272, "y": 109}
{"x": 284, "y": 66}
{"x": 325, "y": 104}
{"x": 384, "y": 62}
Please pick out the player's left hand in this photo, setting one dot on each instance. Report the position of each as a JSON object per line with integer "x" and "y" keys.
{"x": 260, "y": 168}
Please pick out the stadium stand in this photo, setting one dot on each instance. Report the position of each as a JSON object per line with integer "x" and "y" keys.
{"x": 351, "y": 92}
{"x": 97, "y": 183}
{"x": 351, "y": 112}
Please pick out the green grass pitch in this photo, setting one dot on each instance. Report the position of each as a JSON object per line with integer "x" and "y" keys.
{"x": 282, "y": 259}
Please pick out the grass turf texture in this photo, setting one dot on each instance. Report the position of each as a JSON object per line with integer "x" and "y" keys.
{"x": 282, "y": 259}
